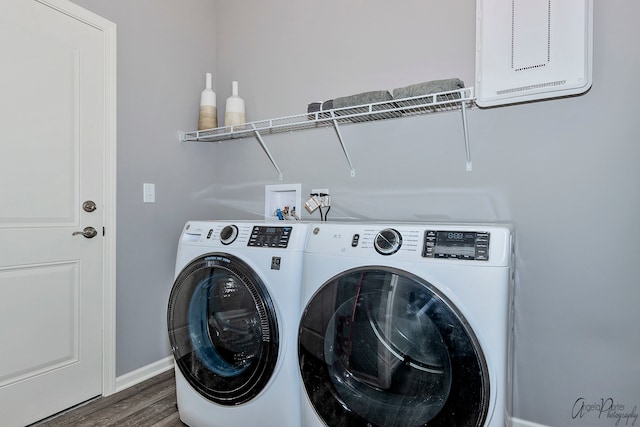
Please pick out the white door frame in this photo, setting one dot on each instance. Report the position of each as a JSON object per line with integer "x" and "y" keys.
{"x": 110, "y": 131}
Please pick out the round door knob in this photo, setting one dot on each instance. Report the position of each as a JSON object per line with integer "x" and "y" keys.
{"x": 89, "y": 206}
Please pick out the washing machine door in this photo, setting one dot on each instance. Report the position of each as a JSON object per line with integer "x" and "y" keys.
{"x": 381, "y": 347}
{"x": 223, "y": 329}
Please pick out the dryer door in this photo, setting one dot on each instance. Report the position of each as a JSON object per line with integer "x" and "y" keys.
{"x": 223, "y": 329}
{"x": 382, "y": 347}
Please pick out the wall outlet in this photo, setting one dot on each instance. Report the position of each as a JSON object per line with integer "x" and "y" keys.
{"x": 321, "y": 199}
{"x": 320, "y": 190}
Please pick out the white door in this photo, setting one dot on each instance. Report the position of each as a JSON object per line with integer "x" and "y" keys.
{"x": 52, "y": 127}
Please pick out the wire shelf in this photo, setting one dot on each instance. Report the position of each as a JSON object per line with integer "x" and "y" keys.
{"x": 455, "y": 100}
{"x": 432, "y": 103}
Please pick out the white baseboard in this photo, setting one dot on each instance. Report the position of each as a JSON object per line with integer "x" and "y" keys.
{"x": 134, "y": 377}
{"x": 515, "y": 422}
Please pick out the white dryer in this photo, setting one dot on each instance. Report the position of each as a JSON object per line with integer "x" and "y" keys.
{"x": 406, "y": 325}
{"x": 232, "y": 323}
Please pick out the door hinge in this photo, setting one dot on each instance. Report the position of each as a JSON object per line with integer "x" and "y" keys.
{"x": 103, "y": 231}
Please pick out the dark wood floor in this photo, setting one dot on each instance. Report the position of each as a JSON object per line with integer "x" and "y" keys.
{"x": 150, "y": 403}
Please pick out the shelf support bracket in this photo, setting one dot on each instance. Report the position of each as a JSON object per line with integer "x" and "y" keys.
{"x": 463, "y": 110}
{"x": 344, "y": 148}
{"x": 266, "y": 150}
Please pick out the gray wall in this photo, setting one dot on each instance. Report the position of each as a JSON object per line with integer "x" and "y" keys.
{"x": 164, "y": 50}
{"x": 563, "y": 171}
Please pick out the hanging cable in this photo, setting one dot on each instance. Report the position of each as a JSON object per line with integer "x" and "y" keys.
{"x": 326, "y": 201}
{"x": 317, "y": 201}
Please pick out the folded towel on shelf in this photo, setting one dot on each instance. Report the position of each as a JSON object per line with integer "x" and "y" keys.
{"x": 427, "y": 88}
{"x": 327, "y": 105}
{"x": 357, "y": 104}
{"x": 314, "y": 107}
{"x": 362, "y": 98}
{"x": 317, "y": 107}
{"x": 320, "y": 106}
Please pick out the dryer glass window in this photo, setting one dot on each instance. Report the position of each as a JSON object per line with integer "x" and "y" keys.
{"x": 223, "y": 329}
{"x": 379, "y": 346}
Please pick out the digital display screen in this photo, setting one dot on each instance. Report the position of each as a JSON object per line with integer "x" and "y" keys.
{"x": 455, "y": 243}
{"x": 466, "y": 245}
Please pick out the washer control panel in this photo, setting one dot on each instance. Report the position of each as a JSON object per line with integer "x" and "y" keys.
{"x": 269, "y": 236}
{"x": 466, "y": 245}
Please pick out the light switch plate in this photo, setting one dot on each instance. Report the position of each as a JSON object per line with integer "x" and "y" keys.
{"x": 148, "y": 193}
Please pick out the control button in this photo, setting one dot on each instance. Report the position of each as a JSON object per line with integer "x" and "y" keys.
{"x": 228, "y": 234}
{"x": 387, "y": 241}
{"x": 429, "y": 244}
{"x": 482, "y": 247}
{"x": 355, "y": 240}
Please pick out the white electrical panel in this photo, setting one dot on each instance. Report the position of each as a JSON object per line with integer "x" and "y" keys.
{"x": 532, "y": 49}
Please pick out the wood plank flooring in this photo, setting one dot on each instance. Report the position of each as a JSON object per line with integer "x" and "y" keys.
{"x": 150, "y": 403}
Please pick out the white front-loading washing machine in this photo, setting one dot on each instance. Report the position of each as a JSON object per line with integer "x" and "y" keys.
{"x": 406, "y": 325}
{"x": 232, "y": 322}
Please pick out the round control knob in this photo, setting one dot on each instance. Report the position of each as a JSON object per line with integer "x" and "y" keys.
{"x": 228, "y": 234}
{"x": 388, "y": 241}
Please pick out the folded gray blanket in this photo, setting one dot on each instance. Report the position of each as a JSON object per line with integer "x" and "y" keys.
{"x": 320, "y": 106}
{"x": 356, "y": 104}
{"x": 426, "y": 88}
{"x": 362, "y": 98}
{"x": 319, "y": 110}
{"x": 313, "y": 107}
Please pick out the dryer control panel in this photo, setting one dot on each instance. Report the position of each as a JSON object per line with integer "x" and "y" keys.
{"x": 270, "y": 237}
{"x": 468, "y": 245}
